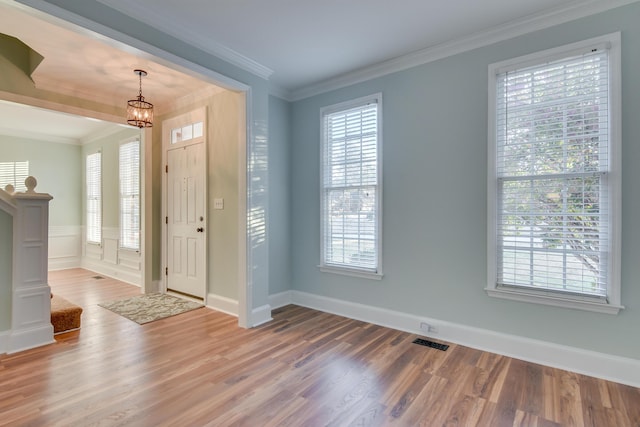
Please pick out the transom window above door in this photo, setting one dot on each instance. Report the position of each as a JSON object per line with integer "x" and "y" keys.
{"x": 187, "y": 132}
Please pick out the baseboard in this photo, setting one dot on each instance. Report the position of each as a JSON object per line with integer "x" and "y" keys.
{"x": 222, "y": 304}
{"x": 260, "y": 315}
{"x": 156, "y": 285}
{"x": 113, "y": 271}
{"x": 27, "y": 339}
{"x": 609, "y": 367}
{"x": 4, "y": 340}
{"x": 281, "y": 299}
{"x": 64, "y": 263}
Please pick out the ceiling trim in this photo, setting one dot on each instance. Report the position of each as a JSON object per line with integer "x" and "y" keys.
{"x": 104, "y": 132}
{"x": 540, "y": 21}
{"x": 168, "y": 26}
{"x": 27, "y": 134}
{"x": 279, "y": 92}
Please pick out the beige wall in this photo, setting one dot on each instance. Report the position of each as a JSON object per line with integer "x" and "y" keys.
{"x": 225, "y": 116}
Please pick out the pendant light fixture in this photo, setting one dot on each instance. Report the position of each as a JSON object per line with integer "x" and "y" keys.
{"x": 139, "y": 111}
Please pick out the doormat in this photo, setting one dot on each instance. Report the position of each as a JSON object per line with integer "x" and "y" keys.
{"x": 150, "y": 307}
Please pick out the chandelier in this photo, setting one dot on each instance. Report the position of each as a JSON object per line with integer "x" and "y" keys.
{"x": 139, "y": 111}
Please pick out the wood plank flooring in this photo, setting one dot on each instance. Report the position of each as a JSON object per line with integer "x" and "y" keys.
{"x": 305, "y": 368}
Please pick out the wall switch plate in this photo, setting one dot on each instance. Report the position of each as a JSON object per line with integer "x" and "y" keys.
{"x": 218, "y": 203}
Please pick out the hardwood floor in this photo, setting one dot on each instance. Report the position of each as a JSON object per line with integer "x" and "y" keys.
{"x": 305, "y": 368}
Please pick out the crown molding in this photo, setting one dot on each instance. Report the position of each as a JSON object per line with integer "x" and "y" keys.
{"x": 532, "y": 23}
{"x": 43, "y": 137}
{"x": 165, "y": 24}
{"x": 106, "y": 131}
{"x": 280, "y": 92}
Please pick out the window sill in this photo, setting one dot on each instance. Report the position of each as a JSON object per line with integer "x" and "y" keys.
{"x": 351, "y": 272}
{"x": 554, "y": 300}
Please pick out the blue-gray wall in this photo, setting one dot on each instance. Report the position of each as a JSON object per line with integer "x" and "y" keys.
{"x": 434, "y": 191}
{"x": 279, "y": 199}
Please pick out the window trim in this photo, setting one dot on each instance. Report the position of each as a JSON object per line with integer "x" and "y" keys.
{"x": 612, "y": 304}
{"x": 346, "y": 270}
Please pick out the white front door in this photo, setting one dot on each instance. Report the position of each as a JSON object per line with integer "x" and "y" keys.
{"x": 186, "y": 271}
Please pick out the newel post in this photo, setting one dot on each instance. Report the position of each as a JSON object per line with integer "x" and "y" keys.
{"x": 31, "y": 304}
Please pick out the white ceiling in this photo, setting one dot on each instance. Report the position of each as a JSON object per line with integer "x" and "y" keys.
{"x": 299, "y": 43}
{"x": 305, "y": 42}
{"x": 24, "y": 121}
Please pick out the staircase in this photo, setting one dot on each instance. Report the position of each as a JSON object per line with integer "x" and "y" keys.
{"x": 29, "y": 316}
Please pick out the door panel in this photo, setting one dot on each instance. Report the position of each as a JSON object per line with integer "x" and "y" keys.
{"x": 185, "y": 225}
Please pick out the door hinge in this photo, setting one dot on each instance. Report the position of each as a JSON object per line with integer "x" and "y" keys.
{"x": 166, "y": 220}
{"x": 166, "y": 168}
{"x": 166, "y": 271}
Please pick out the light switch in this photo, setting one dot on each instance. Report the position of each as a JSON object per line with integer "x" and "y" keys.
{"x": 218, "y": 203}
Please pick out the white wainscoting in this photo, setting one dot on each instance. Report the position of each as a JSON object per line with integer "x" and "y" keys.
{"x": 65, "y": 247}
{"x": 110, "y": 260}
{"x": 613, "y": 368}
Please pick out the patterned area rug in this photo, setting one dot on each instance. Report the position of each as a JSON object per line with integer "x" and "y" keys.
{"x": 149, "y": 307}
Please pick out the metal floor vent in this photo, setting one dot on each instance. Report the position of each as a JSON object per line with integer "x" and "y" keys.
{"x": 431, "y": 344}
{"x": 97, "y": 277}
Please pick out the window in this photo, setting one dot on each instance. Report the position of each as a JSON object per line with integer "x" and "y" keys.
{"x": 130, "y": 195}
{"x": 554, "y": 177}
{"x": 14, "y": 173}
{"x": 94, "y": 198}
{"x": 187, "y": 133}
{"x": 351, "y": 193}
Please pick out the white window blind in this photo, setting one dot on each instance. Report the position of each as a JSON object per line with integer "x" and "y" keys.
{"x": 94, "y": 198}
{"x": 130, "y": 195}
{"x": 14, "y": 173}
{"x": 351, "y": 187}
{"x": 552, "y": 167}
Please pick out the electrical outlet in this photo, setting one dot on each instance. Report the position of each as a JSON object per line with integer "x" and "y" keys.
{"x": 427, "y": 327}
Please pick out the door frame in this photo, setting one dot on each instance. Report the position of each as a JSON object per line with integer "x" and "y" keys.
{"x": 116, "y": 38}
{"x": 166, "y": 125}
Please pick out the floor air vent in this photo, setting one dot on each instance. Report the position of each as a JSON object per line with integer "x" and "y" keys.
{"x": 97, "y": 277}
{"x": 431, "y": 344}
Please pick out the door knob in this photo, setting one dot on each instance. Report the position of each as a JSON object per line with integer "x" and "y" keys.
{"x": 200, "y": 229}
